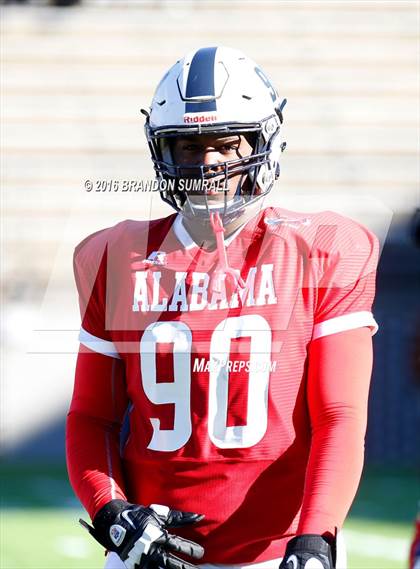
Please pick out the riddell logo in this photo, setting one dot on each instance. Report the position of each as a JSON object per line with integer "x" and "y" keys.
{"x": 199, "y": 118}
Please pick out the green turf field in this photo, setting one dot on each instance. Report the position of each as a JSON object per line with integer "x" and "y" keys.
{"x": 39, "y": 527}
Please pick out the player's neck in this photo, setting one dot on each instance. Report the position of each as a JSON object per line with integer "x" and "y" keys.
{"x": 202, "y": 233}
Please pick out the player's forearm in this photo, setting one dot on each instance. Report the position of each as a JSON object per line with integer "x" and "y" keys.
{"x": 93, "y": 461}
{"x": 93, "y": 426}
{"x": 338, "y": 385}
{"x": 333, "y": 474}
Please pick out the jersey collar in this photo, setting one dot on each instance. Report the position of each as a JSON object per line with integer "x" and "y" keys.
{"x": 188, "y": 242}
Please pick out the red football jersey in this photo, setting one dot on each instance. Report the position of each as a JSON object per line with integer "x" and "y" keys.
{"x": 215, "y": 377}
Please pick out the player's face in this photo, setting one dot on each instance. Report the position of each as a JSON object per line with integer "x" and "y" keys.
{"x": 210, "y": 150}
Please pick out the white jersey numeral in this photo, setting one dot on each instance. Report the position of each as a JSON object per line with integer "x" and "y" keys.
{"x": 257, "y": 328}
{"x": 178, "y": 390}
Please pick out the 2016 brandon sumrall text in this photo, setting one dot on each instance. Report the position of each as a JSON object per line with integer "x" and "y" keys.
{"x": 211, "y": 185}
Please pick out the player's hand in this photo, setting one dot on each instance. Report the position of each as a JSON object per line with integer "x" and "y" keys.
{"x": 139, "y": 535}
{"x": 308, "y": 551}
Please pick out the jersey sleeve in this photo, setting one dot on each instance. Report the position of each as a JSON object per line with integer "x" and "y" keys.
{"x": 90, "y": 272}
{"x": 347, "y": 254}
{"x": 93, "y": 429}
{"x": 99, "y": 400}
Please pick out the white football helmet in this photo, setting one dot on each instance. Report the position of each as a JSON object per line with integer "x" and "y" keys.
{"x": 217, "y": 91}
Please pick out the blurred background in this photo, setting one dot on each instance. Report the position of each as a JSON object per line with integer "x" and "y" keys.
{"x": 74, "y": 77}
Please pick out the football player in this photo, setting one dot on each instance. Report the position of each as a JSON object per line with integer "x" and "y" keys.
{"x": 219, "y": 407}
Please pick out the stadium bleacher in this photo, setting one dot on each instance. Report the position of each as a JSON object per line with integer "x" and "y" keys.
{"x": 74, "y": 81}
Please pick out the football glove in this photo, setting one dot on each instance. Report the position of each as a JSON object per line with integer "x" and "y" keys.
{"x": 139, "y": 537}
{"x": 308, "y": 551}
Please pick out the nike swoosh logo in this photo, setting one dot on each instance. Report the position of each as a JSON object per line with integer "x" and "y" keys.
{"x": 125, "y": 515}
{"x": 293, "y": 560}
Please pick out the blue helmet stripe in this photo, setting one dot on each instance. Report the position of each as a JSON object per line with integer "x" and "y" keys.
{"x": 200, "y": 81}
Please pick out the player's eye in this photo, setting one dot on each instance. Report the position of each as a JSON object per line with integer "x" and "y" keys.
{"x": 229, "y": 147}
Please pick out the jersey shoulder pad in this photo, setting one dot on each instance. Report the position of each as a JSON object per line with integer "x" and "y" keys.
{"x": 336, "y": 234}
{"x": 93, "y": 247}
{"x": 323, "y": 237}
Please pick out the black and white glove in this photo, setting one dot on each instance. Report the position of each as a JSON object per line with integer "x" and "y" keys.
{"x": 139, "y": 536}
{"x": 308, "y": 551}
